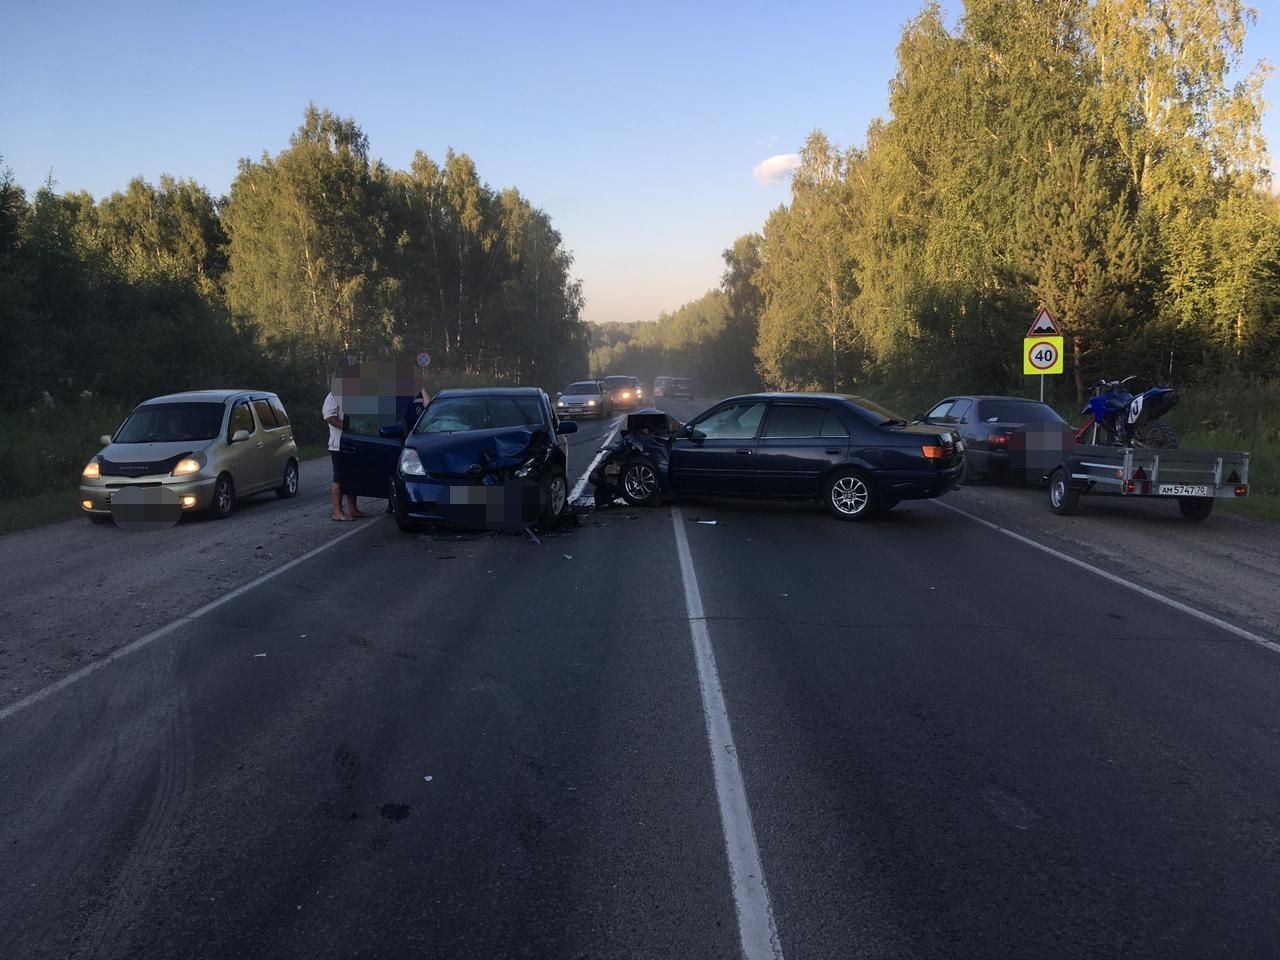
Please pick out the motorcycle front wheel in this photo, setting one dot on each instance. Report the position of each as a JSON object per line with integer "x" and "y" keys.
{"x": 1158, "y": 434}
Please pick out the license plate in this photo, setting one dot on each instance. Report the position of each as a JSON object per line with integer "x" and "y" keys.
{"x": 1184, "y": 490}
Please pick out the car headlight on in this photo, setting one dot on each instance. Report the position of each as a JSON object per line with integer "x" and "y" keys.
{"x": 411, "y": 463}
{"x": 561, "y": 403}
{"x": 639, "y": 393}
{"x": 91, "y": 470}
{"x": 591, "y": 403}
{"x": 188, "y": 465}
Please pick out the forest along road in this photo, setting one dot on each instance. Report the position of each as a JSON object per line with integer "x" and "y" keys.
{"x": 929, "y": 737}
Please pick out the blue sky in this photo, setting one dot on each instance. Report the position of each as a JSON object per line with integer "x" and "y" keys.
{"x": 636, "y": 126}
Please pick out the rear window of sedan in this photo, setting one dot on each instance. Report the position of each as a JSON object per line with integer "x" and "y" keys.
{"x": 872, "y": 411}
{"x": 1017, "y": 411}
{"x": 168, "y": 422}
{"x": 460, "y": 414}
{"x": 586, "y": 386}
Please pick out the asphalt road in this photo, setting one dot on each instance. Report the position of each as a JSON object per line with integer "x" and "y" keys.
{"x": 951, "y": 745}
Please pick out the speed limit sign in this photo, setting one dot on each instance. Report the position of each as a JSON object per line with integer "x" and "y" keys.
{"x": 1041, "y": 355}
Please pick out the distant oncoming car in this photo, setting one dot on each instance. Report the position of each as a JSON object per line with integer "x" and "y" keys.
{"x": 201, "y": 450}
{"x": 584, "y": 398}
{"x": 479, "y": 458}
{"x": 849, "y": 452}
{"x": 624, "y": 392}
{"x": 1004, "y": 436}
{"x": 681, "y": 389}
{"x": 661, "y": 385}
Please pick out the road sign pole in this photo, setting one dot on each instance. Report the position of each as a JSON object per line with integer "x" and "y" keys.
{"x": 1042, "y": 389}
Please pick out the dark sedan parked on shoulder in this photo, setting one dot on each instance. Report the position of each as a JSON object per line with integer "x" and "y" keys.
{"x": 476, "y": 458}
{"x": 1004, "y": 436}
{"x": 849, "y": 452}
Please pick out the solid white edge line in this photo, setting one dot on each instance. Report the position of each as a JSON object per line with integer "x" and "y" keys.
{"x": 120, "y": 653}
{"x": 582, "y": 480}
{"x": 1178, "y": 605}
{"x": 757, "y": 929}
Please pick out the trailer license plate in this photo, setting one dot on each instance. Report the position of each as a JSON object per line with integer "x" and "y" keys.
{"x": 1184, "y": 490}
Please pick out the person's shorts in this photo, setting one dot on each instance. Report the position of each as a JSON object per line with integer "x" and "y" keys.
{"x": 336, "y": 458}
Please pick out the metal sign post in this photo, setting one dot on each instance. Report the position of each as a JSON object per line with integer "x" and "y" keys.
{"x": 1042, "y": 348}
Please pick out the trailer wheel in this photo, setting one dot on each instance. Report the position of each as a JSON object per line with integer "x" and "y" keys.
{"x": 1063, "y": 500}
{"x": 1195, "y": 509}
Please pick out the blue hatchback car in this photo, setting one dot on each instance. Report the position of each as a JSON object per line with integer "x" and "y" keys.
{"x": 491, "y": 457}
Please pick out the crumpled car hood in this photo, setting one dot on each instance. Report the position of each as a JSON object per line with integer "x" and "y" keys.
{"x": 454, "y": 454}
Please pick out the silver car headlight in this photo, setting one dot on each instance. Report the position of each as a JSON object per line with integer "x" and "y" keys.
{"x": 189, "y": 465}
{"x": 411, "y": 463}
{"x": 526, "y": 468}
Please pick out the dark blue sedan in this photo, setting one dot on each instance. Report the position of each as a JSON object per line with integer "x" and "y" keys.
{"x": 850, "y": 453}
{"x": 483, "y": 458}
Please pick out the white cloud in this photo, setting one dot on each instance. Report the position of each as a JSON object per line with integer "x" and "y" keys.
{"x": 775, "y": 169}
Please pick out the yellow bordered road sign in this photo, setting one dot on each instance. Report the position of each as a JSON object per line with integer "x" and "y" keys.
{"x": 1041, "y": 355}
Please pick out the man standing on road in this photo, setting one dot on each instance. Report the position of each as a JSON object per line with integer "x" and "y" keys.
{"x": 332, "y": 412}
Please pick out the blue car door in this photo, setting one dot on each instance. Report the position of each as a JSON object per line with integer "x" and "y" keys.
{"x": 718, "y": 456}
{"x": 799, "y": 445}
{"x": 367, "y": 457}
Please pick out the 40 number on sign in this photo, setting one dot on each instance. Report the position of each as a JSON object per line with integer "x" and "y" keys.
{"x": 1042, "y": 355}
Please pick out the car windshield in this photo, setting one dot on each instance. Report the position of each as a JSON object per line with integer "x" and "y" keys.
{"x": 874, "y": 412}
{"x": 455, "y": 414}
{"x": 1017, "y": 411}
{"x": 585, "y": 386}
{"x": 172, "y": 422}
{"x": 618, "y": 383}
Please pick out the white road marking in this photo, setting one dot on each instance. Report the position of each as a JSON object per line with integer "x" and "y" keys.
{"x": 757, "y": 930}
{"x": 119, "y": 654}
{"x": 1136, "y": 588}
{"x": 576, "y": 492}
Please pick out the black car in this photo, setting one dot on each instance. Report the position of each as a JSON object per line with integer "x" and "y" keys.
{"x": 849, "y": 452}
{"x": 475, "y": 458}
{"x": 625, "y": 393}
{"x": 681, "y": 388}
{"x": 1004, "y": 436}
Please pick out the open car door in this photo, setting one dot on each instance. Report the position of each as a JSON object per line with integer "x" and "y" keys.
{"x": 369, "y": 457}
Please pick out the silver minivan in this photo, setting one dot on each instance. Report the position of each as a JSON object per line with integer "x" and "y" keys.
{"x": 201, "y": 450}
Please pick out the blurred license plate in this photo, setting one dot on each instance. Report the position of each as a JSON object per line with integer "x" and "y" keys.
{"x": 1183, "y": 490}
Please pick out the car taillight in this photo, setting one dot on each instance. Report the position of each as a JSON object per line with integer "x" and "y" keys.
{"x": 1242, "y": 490}
{"x": 1129, "y": 486}
{"x": 930, "y": 452}
{"x": 998, "y": 439}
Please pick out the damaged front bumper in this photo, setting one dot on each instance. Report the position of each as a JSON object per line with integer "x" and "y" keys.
{"x": 646, "y": 439}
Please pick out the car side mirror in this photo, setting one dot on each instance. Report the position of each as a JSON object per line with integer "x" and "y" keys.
{"x": 105, "y": 439}
{"x": 240, "y": 436}
{"x": 920, "y": 418}
{"x": 393, "y": 432}
{"x": 567, "y": 426}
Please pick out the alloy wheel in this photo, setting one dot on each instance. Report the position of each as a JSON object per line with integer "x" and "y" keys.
{"x": 850, "y": 496}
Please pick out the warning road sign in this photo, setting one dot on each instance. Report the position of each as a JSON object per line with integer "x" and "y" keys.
{"x": 1041, "y": 355}
{"x": 1044, "y": 325}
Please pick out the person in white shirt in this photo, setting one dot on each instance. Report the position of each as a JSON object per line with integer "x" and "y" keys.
{"x": 332, "y": 413}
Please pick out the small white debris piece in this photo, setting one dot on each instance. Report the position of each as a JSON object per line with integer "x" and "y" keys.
{"x": 428, "y": 779}
{"x": 709, "y": 523}
{"x": 568, "y": 556}
{"x": 259, "y": 655}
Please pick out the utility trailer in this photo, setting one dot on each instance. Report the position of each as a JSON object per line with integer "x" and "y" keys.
{"x": 1194, "y": 478}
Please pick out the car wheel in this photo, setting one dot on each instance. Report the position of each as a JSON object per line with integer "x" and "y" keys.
{"x": 850, "y": 495}
{"x": 639, "y": 483}
{"x": 289, "y": 486}
{"x": 97, "y": 518}
{"x": 555, "y": 495}
{"x": 1195, "y": 509}
{"x": 224, "y": 498}
{"x": 1063, "y": 500}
